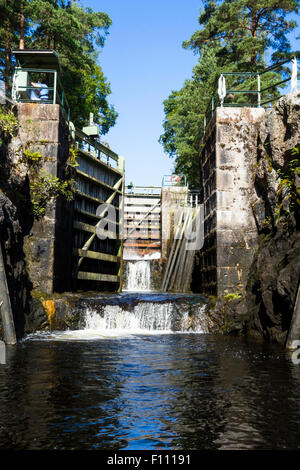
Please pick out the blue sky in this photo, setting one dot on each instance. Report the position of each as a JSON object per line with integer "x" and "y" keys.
{"x": 144, "y": 61}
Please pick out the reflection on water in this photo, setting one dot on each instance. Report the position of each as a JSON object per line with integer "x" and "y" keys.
{"x": 177, "y": 391}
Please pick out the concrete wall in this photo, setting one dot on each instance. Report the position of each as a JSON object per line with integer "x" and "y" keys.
{"x": 228, "y": 163}
{"x": 171, "y": 198}
{"x": 48, "y": 245}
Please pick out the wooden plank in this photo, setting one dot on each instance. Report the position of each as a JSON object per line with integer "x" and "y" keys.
{"x": 143, "y": 218}
{"x": 95, "y": 180}
{"x": 96, "y": 277}
{"x": 89, "y": 157}
{"x": 142, "y": 209}
{"x": 91, "y": 198}
{"x": 87, "y": 196}
{"x": 144, "y": 227}
{"x": 172, "y": 255}
{"x": 150, "y": 217}
{"x": 94, "y": 216}
{"x": 93, "y": 229}
{"x": 87, "y": 244}
{"x": 95, "y": 255}
{"x": 141, "y": 201}
{"x": 139, "y": 236}
{"x": 142, "y": 245}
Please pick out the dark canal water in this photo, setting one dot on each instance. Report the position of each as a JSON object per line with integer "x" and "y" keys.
{"x": 156, "y": 391}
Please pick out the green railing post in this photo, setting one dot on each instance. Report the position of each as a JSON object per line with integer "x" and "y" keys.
{"x": 55, "y": 87}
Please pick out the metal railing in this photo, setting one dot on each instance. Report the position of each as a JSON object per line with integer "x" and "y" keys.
{"x": 255, "y": 95}
{"x": 25, "y": 90}
{"x": 96, "y": 149}
{"x": 193, "y": 198}
{"x": 143, "y": 190}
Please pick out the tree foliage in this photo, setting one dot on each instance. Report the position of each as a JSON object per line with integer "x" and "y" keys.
{"x": 234, "y": 35}
{"x": 76, "y": 34}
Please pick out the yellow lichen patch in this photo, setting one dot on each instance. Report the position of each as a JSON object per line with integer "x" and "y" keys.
{"x": 49, "y": 307}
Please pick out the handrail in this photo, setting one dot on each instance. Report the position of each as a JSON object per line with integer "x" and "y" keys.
{"x": 149, "y": 190}
{"x": 97, "y": 146}
{"x": 57, "y": 90}
{"x": 261, "y": 101}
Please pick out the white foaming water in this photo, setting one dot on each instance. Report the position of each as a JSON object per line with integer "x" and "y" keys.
{"x": 138, "y": 276}
{"x": 145, "y": 318}
{"x": 135, "y": 256}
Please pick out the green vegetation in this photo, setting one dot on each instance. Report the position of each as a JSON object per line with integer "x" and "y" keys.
{"x": 31, "y": 158}
{"x": 46, "y": 187}
{"x": 8, "y": 123}
{"x": 72, "y": 161}
{"x": 76, "y": 34}
{"x": 234, "y": 35}
{"x": 233, "y": 296}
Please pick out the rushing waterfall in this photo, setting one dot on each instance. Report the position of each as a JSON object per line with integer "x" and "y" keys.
{"x": 138, "y": 275}
{"x": 144, "y": 318}
{"x": 134, "y": 314}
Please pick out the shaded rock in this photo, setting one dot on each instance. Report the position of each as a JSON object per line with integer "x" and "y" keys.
{"x": 273, "y": 282}
{"x": 11, "y": 237}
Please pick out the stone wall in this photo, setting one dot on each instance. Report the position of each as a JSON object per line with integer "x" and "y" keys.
{"x": 48, "y": 245}
{"x": 171, "y": 198}
{"x": 265, "y": 309}
{"x": 228, "y": 160}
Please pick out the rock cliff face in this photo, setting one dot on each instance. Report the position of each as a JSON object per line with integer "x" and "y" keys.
{"x": 275, "y": 271}
{"x": 265, "y": 309}
{"x": 13, "y": 223}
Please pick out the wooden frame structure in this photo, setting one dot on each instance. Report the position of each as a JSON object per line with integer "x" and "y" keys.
{"x": 99, "y": 181}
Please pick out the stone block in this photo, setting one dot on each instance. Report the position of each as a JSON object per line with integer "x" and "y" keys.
{"x": 243, "y": 238}
{"x": 224, "y": 180}
{"x": 39, "y": 111}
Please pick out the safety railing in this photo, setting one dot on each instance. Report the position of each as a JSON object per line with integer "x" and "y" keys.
{"x": 31, "y": 85}
{"x": 246, "y": 89}
{"x": 193, "y": 198}
{"x": 143, "y": 190}
{"x": 97, "y": 150}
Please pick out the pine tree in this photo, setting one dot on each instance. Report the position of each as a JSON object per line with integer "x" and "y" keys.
{"x": 76, "y": 34}
{"x": 235, "y": 36}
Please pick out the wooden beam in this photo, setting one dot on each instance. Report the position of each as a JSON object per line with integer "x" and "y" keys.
{"x": 142, "y": 219}
{"x": 96, "y": 277}
{"x": 142, "y": 245}
{"x": 87, "y": 156}
{"x": 93, "y": 216}
{"x": 87, "y": 196}
{"x": 95, "y": 255}
{"x": 93, "y": 229}
{"x": 143, "y": 209}
{"x": 95, "y": 180}
{"x": 109, "y": 201}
